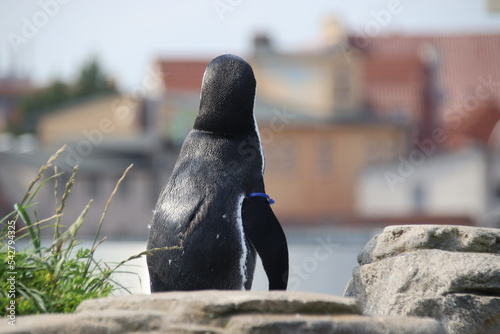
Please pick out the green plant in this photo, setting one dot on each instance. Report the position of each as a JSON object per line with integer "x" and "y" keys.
{"x": 59, "y": 276}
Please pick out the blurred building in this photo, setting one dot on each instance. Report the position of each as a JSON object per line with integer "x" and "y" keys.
{"x": 177, "y": 96}
{"x": 320, "y": 130}
{"x": 450, "y": 172}
{"x": 317, "y": 129}
{"x": 338, "y": 119}
{"x": 493, "y": 6}
{"x": 356, "y": 131}
{"x": 12, "y": 90}
{"x": 104, "y": 134}
{"x": 94, "y": 119}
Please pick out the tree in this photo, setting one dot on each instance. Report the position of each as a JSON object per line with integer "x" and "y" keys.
{"x": 91, "y": 81}
{"x": 55, "y": 93}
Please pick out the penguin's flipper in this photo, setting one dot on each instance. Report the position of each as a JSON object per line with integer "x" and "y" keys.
{"x": 264, "y": 231}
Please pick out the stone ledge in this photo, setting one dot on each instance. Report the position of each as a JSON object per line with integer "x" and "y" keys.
{"x": 228, "y": 312}
{"x": 399, "y": 239}
{"x": 220, "y": 303}
{"x": 345, "y": 324}
{"x": 450, "y": 273}
{"x": 105, "y": 321}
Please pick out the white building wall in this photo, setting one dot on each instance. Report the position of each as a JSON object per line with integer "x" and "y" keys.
{"x": 444, "y": 185}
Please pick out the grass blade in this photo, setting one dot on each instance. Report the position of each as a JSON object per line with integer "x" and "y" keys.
{"x": 35, "y": 238}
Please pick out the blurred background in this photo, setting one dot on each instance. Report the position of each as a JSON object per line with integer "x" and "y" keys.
{"x": 371, "y": 113}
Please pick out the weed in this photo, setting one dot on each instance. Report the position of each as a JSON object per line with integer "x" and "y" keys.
{"x": 58, "y": 277}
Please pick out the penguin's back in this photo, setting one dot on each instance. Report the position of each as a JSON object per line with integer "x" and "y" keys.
{"x": 199, "y": 210}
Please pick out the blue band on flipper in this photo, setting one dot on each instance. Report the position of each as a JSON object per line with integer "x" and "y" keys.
{"x": 269, "y": 199}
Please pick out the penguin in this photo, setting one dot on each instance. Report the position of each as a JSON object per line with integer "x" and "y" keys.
{"x": 214, "y": 207}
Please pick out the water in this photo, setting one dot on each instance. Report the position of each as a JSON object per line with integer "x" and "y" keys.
{"x": 321, "y": 260}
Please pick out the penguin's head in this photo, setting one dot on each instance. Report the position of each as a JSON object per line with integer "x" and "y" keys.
{"x": 227, "y": 97}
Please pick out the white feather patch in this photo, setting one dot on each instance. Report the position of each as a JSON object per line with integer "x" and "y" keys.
{"x": 244, "y": 249}
{"x": 260, "y": 142}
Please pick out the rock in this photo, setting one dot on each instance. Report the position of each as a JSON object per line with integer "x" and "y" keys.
{"x": 450, "y": 273}
{"x": 396, "y": 240}
{"x": 228, "y": 312}
{"x": 107, "y": 321}
{"x": 345, "y": 324}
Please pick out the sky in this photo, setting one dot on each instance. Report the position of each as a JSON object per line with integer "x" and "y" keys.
{"x": 49, "y": 39}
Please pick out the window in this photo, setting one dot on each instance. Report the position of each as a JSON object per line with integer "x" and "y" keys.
{"x": 281, "y": 156}
{"x": 497, "y": 191}
{"x": 288, "y": 156}
{"x": 324, "y": 158}
{"x": 419, "y": 198}
{"x": 379, "y": 150}
{"x": 342, "y": 87}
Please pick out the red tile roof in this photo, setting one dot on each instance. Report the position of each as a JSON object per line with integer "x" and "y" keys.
{"x": 393, "y": 84}
{"x": 182, "y": 75}
{"x": 390, "y": 69}
{"x": 397, "y": 77}
{"x": 478, "y": 125}
{"x": 465, "y": 64}
{"x": 15, "y": 87}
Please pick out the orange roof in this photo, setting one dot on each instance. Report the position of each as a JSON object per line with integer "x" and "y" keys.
{"x": 478, "y": 124}
{"x": 15, "y": 87}
{"x": 398, "y": 78}
{"x": 395, "y": 84}
{"x": 463, "y": 59}
{"x": 182, "y": 75}
{"x": 406, "y": 69}
{"x": 465, "y": 64}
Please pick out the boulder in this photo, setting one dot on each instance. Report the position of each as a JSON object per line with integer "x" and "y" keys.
{"x": 108, "y": 321}
{"x": 450, "y": 273}
{"x": 345, "y": 324}
{"x": 229, "y": 312}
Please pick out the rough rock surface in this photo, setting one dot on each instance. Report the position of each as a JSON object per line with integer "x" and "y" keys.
{"x": 222, "y": 312}
{"x": 450, "y": 273}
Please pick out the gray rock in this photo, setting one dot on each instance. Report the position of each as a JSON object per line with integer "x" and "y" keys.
{"x": 213, "y": 306}
{"x": 450, "y": 273}
{"x": 345, "y": 324}
{"x": 399, "y": 239}
{"x": 227, "y": 312}
{"x": 106, "y": 321}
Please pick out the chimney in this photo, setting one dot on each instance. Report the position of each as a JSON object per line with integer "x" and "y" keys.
{"x": 333, "y": 32}
{"x": 262, "y": 44}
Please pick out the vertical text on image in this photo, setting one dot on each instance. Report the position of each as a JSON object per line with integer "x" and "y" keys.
{"x": 11, "y": 273}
